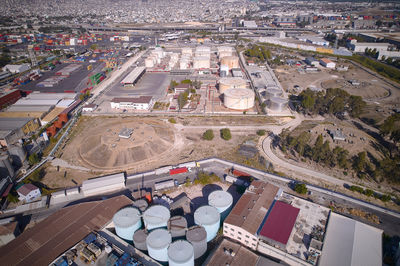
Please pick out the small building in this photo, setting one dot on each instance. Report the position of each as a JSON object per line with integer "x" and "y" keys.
{"x": 237, "y": 73}
{"x": 28, "y": 192}
{"x": 17, "y": 68}
{"x": 89, "y": 108}
{"x": 337, "y": 135}
{"x": 125, "y": 133}
{"x": 134, "y": 103}
{"x": 13, "y": 129}
{"x": 312, "y": 61}
{"x": 327, "y": 63}
{"x": 181, "y": 88}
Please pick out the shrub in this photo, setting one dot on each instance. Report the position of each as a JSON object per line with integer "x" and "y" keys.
{"x": 172, "y": 120}
{"x": 205, "y": 179}
{"x": 208, "y": 134}
{"x": 300, "y": 188}
{"x": 225, "y": 134}
{"x": 386, "y": 198}
{"x": 261, "y": 132}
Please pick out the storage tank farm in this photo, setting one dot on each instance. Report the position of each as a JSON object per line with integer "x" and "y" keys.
{"x": 177, "y": 225}
{"x": 139, "y": 239}
{"x": 239, "y": 99}
{"x": 141, "y": 204}
{"x": 181, "y": 253}
{"x": 157, "y": 243}
{"x": 208, "y": 217}
{"x": 197, "y": 236}
{"x": 222, "y": 201}
{"x": 228, "y": 83}
{"x": 156, "y": 216}
{"x": 127, "y": 221}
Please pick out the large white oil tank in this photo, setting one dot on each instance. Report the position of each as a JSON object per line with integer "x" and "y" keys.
{"x": 187, "y": 50}
{"x": 127, "y": 221}
{"x": 201, "y": 62}
{"x": 177, "y": 225}
{"x": 184, "y": 63}
{"x": 222, "y": 200}
{"x": 228, "y": 83}
{"x": 230, "y": 61}
{"x": 273, "y": 92}
{"x": 139, "y": 239}
{"x": 197, "y": 236}
{"x": 157, "y": 244}
{"x": 277, "y": 104}
{"x": 141, "y": 204}
{"x": 149, "y": 62}
{"x": 181, "y": 253}
{"x": 156, "y": 216}
{"x": 208, "y": 217}
{"x": 225, "y": 49}
{"x": 239, "y": 99}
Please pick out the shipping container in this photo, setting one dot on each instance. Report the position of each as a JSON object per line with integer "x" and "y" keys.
{"x": 179, "y": 170}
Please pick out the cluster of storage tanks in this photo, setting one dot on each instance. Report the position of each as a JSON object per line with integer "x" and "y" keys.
{"x": 169, "y": 239}
{"x": 272, "y": 95}
{"x": 155, "y": 57}
{"x": 236, "y": 94}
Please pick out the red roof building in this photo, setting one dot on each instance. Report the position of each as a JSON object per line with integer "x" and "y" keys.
{"x": 279, "y": 224}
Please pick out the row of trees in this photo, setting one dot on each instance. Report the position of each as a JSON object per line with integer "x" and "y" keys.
{"x": 369, "y": 193}
{"x": 381, "y": 68}
{"x": 333, "y": 101}
{"x": 259, "y": 52}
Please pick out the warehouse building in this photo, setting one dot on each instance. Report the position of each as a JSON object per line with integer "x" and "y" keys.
{"x": 132, "y": 78}
{"x": 103, "y": 184}
{"x": 13, "y": 129}
{"x": 348, "y": 242}
{"x": 246, "y": 217}
{"x": 325, "y": 62}
{"x": 9, "y": 97}
{"x": 134, "y": 103}
{"x": 17, "y": 68}
{"x": 359, "y": 47}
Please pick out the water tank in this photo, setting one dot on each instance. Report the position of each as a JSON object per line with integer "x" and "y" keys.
{"x": 228, "y": 83}
{"x": 187, "y": 50}
{"x": 225, "y": 51}
{"x": 273, "y": 92}
{"x": 139, "y": 239}
{"x": 239, "y": 99}
{"x": 6, "y": 169}
{"x": 149, "y": 62}
{"x": 181, "y": 253}
{"x": 177, "y": 226}
{"x": 157, "y": 244}
{"x": 127, "y": 221}
{"x": 222, "y": 201}
{"x": 17, "y": 153}
{"x": 156, "y": 216}
{"x": 277, "y": 104}
{"x": 197, "y": 236}
{"x": 141, "y": 204}
{"x": 208, "y": 217}
{"x": 230, "y": 61}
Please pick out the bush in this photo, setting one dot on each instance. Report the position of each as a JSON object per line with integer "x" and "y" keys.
{"x": 369, "y": 192}
{"x": 225, "y": 134}
{"x": 33, "y": 159}
{"x": 357, "y": 189}
{"x": 300, "y": 188}
{"x": 208, "y": 134}
{"x": 205, "y": 179}
{"x": 261, "y": 132}
{"x": 172, "y": 120}
{"x": 386, "y": 198}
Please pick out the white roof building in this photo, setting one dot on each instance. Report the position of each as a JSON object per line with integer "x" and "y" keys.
{"x": 103, "y": 184}
{"x": 348, "y": 242}
{"x": 17, "y": 68}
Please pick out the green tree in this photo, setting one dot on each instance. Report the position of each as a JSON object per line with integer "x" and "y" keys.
{"x": 172, "y": 120}
{"x": 208, "y": 134}
{"x": 183, "y": 99}
{"x": 33, "y": 159}
{"x": 261, "y": 132}
{"x": 360, "y": 161}
{"x": 225, "y": 134}
{"x": 300, "y": 188}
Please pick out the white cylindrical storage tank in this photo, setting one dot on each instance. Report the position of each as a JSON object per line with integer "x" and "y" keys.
{"x": 187, "y": 50}
{"x": 208, "y": 217}
{"x": 149, "y": 62}
{"x": 127, "y": 221}
{"x": 197, "y": 236}
{"x": 157, "y": 244}
{"x": 224, "y": 54}
{"x": 273, "y": 92}
{"x": 181, "y": 253}
{"x": 201, "y": 62}
{"x": 228, "y": 83}
{"x": 222, "y": 201}
{"x": 277, "y": 104}
{"x": 230, "y": 61}
{"x": 139, "y": 239}
{"x": 141, "y": 204}
{"x": 239, "y": 99}
{"x": 156, "y": 216}
{"x": 177, "y": 226}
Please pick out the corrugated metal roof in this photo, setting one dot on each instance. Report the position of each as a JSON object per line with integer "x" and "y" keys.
{"x": 280, "y": 222}
{"x": 131, "y": 77}
{"x": 12, "y": 123}
{"x": 103, "y": 181}
{"x": 50, "y": 96}
{"x": 348, "y": 242}
{"x": 24, "y": 101}
{"x": 29, "y": 108}
{"x": 48, "y": 239}
{"x": 141, "y": 99}
{"x": 250, "y": 210}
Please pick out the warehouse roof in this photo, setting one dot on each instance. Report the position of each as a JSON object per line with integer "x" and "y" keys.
{"x": 132, "y": 77}
{"x": 25, "y": 101}
{"x": 26, "y": 189}
{"x": 141, "y": 99}
{"x": 348, "y": 242}
{"x": 29, "y": 108}
{"x": 280, "y": 222}
{"x": 51, "y": 237}
{"x": 103, "y": 181}
{"x": 12, "y": 123}
{"x": 50, "y": 96}
{"x": 250, "y": 210}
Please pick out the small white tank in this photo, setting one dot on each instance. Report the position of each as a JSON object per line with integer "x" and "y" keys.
{"x": 181, "y": 253}
{"x": 208, "y": 217}
{"x": 139, "y": 239}
{"x": 127, "y": 221}
{"x": 222, "y": 200}
{"x": 157, "y": 244}
{"x": 156, "y": 216}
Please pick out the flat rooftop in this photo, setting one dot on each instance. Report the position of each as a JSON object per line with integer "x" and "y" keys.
{"x": 280, "y": 222}
{"x": 51, "y": 237}
{"x": 12, "y": 123}
{"x": 250, "y": 210}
